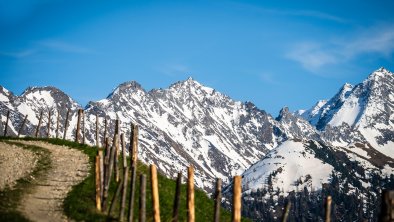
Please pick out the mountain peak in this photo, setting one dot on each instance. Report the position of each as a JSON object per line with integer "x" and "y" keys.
{"x": 126, "y": 86}
{"x": 283, "y": 113}
{"x": 379, "y": 73}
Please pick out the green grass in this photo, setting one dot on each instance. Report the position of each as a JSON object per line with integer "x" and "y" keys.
{"x": 9, "y": 198}
{"x": 80, "y": 202}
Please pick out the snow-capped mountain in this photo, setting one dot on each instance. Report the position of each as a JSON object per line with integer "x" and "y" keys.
{"x": 348, "y": 154}
{"x": 360, "y": 113}
{"x": 189, "y": 123}
{"x": 185, "y": 124}
{"x": 32, "y": 101}
{"x": 305, "y": 170}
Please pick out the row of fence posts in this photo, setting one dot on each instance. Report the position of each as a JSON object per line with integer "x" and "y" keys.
{"x": 38, "y": 127}
{"x": 106, "y": 165}
{"x": 107, "y": 159}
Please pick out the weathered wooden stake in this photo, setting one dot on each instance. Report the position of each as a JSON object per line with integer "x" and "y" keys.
{"x": 66, "y": 124}
{"x": 286, "y": 213}
{"x": 218, "y": 200}
{"x": 190, "y": 194}
{"x": 49, "y": 124}
{"x": 39, "y": 124}
{"x": 237, "y": 199}
{"x": 387, "y": 207}
{"x": 101, "y": 156}
{"x": 106, "y": 172}
{"x": 83, "y": 127}
{"x": 142, "y": 203}
{"x": 124, "y": 157}
{"x": 115, "y": 198}
{"x": 98, "y": 183}
{"x": 177, "y": 199}
{"x": 328, "y": 208}
{"x": 109, "y": 170}
{"x": 23, "y": 124}
{"x": 155, "y": 194}
{"x": 116, "y": 162}
{"x": 105, "y": 129}
{"x": 57, "y": 124}
{"x": 6, "y": 123}
{"x": 78, "y": 126}
{"x": 124, "y": 192}
{"x": 97, "y": 131}
{"x": 133, "y": 151}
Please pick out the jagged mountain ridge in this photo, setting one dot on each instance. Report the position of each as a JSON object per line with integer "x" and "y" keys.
{"x": 350, "y": 158}
{"x": 184, "y": 124}
{"x": 361, "y": 113}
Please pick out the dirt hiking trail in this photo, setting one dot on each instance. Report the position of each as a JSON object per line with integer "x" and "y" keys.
{"x": 44, "y": 202}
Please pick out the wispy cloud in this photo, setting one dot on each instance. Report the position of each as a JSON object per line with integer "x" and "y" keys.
{"x": 314, "y": 55}
{"x": 307, "y": 13}
{"x": 45, "y": 45}
{"x": 64, "y": 46}
{"x": 18, "y": 54}
{"x": 293, "y": 12}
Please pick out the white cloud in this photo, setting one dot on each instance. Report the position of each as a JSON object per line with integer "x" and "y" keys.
{"x": 292, "y": 12}
{"x": 313, "y": 55}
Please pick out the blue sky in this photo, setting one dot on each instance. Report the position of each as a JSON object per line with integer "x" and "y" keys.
{"x": 273, "y": 53}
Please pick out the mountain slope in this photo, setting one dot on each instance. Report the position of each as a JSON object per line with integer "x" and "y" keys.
{"x": 304, "y": 171}
{"x": 361, "y": 113}
{"x": 185, "y": 124}
{"x": 189, "y": 123}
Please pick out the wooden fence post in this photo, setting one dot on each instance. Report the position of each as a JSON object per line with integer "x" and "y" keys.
{"x": 57, "y": 124}
{"x": 142, "y": 203}
{"x": 49, "y": 124}
{"x": 106, "y": 172}
{"x": 39, "y": 124}
{"x": 387, "y": 206}
{"x": 83, "y": 127}
{"x": 109, "y": 169}
{"x": 124, "y": 157}
{"x": 133, "y": 152}
{"x": 116, "y": 162}
{"x": 23, "y": 124}
{"x": 78, "y": 126}
{"x": 105, "y": 129}
{"x": 124, "y": 192}
{"x": 237, "y": 199}
{"x": 177, "y": 199}
{"x": 190, "y": 194}
{"x": 115, "y": 198}
{"x": 218, "y": 199}
{"x": 6, "y": 123}
{"x": 66, "y": 124}
{"x": 101, "y": 156}
{"x": 155, "y": 194}
{"x": 287, "y": 210}
{"x": 97, "y": 131}
{"x": 98, "y": 183}
{"x": 328, "y": 208}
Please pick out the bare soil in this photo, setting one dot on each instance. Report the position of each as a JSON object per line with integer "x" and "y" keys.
{"x": 15, "y": 163}
{"x": 44, "y": 202}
